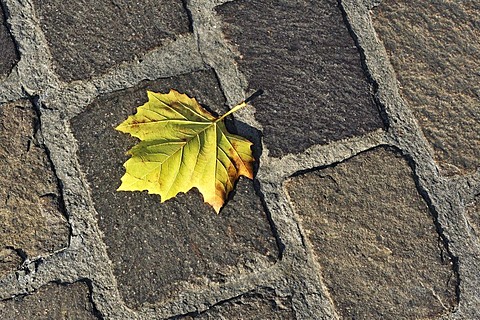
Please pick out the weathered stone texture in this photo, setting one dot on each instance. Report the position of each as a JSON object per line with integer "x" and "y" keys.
{"x": 161, "y": 249}
{"x": 434, "y": 48}
{"x": 9, "y": 260}
{"x": 473, "y": 215}
{"x": 374, "y": 239}
{"x": 31, "y": 217}
{"x": 8, "y": 53}
{"x": 263, "y": 305}
{"x": 302, "y": 55}
{"x": 89, "y": 36}
{"x": 51, "y": 302}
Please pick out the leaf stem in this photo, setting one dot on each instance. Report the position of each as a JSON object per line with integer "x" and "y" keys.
{"x": 242, "y": 104}
{"x": 254, "y": 96}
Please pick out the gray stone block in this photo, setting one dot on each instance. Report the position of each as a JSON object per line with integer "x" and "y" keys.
{"x": 88, "y": 37}
{"x": 434, "y": 49}
{"x": 162, "y": 249}
{"x": 302, "y": 55}
{"x": 31, "y": 213}
{"x": 374, "y": 238}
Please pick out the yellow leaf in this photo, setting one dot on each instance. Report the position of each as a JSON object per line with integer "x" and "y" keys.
{"x": 183, "y": 146}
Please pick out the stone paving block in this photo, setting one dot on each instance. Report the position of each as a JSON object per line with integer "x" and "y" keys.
{"x": 52, "y": 302}
{"x": 302, "y": 55}
{"x": 264, "y": 305}
{"x": 89, "y": 36}
{"x": 374, "y": 239}
{"x": 8, "y": 53}
{"x": 434, "y": 49}
{"x": 159, "y": 250}
{"x": 31, "y": 216}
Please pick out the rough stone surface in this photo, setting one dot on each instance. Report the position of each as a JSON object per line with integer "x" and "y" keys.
{"x": 9, "y": 260}
{"x": 363, "y": 233}
{"x": 51, "y": 302}
{"x": 373, "y": 236}
{"x": 473, "y": 215}
{"x": 434, "y": 48}
{"x": 263, "y": 305}
{"x": 87, "y": 37}
{"x": 302, "y": 55}
{"x": 157, "y": 249}
{"x": 8, "y": 52}
{"x": 31, "y": 218}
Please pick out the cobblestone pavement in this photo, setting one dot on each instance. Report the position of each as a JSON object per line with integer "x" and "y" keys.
{"x": 366, "y": 199}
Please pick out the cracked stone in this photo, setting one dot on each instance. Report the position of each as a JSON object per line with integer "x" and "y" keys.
{"x": 374, "y": 238}
{"x": 30, "y": 203}
{"x": 302, "y": 55}
{"x": 8, "y": 53}
{"x": 52, "y": 301}
{"x": 434, "y": 49}
{"x": 88, "y": 37}
{"x": 263, "y": 305}
{"x": 161, "y": 249}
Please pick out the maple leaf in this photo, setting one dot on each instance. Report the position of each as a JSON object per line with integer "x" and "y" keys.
{"x": 184, "y": 146}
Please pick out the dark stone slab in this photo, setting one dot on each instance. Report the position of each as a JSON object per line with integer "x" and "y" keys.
{"x": 374, "y": 238}
{"x": 157, "y": 249}
{"x": 31, "y": 215}
{"x": 52, "y": 302}
{"x": 87, "y": 37}
{"x": 8, "y": 52}
{"x": 302, "y": 55}
{"x": 263, "y": 305}
{"x": 434, "y": 48}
